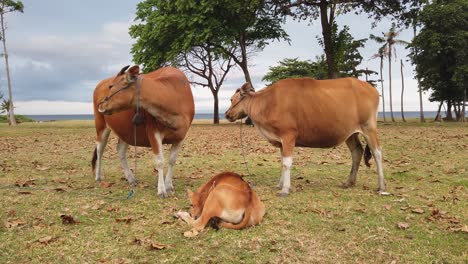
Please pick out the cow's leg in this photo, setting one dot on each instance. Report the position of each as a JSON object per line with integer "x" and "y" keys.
{"x": 122, "y": 148}
{"x": 280, "y": 184}
{"x": 355, "y": 147}
{"x": 156, "y": 144}
{"x": 370, "y": 135}
{"x": 287, "y": 143}
{"x": 172, "y": 160}
{"x": 100, "y": 146}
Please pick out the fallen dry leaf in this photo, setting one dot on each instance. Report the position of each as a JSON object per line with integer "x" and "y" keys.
{"x": 387, "y": 206}
{"x": 23, "y": 192}
{"x": 25, "y": 183}
{"x": 15, "y": 223}
{"x": 418, "y": 211}
{"x": 67, "y": 219}
{"x": 191, "y": 233}
{"x": 156, "y": 246}
{"x": 126, "y": 220}
{"x": 105, "y": 184}
{"x": 46, "y": 240}
{"x": 403, "y": 225}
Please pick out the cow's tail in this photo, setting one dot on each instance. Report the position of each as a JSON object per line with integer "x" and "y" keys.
{"x": 367, "y": 156}
{"x": 93, "y": 161}
{"x": 245, "y": 221}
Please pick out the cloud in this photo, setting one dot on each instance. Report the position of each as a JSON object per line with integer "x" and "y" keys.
{"x": 56, "y": 67}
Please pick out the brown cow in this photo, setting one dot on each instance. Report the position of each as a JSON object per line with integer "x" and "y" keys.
{"x": 170, "y": 88}
{"x": 310, "y": 113}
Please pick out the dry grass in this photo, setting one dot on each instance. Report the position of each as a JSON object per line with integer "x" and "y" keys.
{"x": 425, "y": 168}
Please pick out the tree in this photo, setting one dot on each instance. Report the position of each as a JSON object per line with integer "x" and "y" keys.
{"x": 8, "y": 6}
{"x": 327, "y": 10}
{"x": 212, "y": 69}
{"x": 440, "y": 55}
{"x": 402, "y": 90}
{"x": 170, "y": 28}
{"x": 346, "y": 52}
{"x": 292, "y": 68}
{"x": 381, "y": 54}
{"x": 389, "y": 40}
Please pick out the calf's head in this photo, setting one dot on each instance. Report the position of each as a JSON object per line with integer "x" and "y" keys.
{"x": 196, "y": 204}
{"x": 122, "y": 91}
{"x": 237, "y": 110}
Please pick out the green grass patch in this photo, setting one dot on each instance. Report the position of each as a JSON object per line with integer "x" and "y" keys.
{"x": 425, "y": 168}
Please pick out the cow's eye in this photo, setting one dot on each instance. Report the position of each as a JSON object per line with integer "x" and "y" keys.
{"x": 110, "y": 86}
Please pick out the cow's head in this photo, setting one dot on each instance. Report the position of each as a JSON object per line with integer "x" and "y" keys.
{"x": 196, "y": 204}
{"x": 121, "y": 91}
{"x": 237, "y": 110}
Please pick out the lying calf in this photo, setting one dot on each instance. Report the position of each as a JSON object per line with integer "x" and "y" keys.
{"x": 226, "y": 200}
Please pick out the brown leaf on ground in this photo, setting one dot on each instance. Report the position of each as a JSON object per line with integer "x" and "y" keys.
{"x": 126, "y": 220}
{"x": 417, "y": 211}
{"x": 387, "y": 206}
{"x": 157, "y": 246}
{"x": 68, "y": 220}
{"x": 15, "y": 223}
{"x": 191, "y": 233}
{"x": 11, "y": 213}
{"x": 25, "y": 183}
{"x": 46, "y": 240}
{"x": 403, "y": 225}
{"x": 23, "y": 192}
{"x": 105, "y": 184}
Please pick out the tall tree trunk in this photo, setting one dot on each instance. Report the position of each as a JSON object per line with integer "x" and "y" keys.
{"x": 448, "y": 115}
{"x": 421, "y": 110}
{"x": 381, "y": 84}
{"x": 216, "y": 108}
{"x": 464, "y": 107}
{"x": 390, "y": 80}
{"x": 402, "y": 91}
{"x": 438, "y": 117}
{"x": 10, "y": 93}
{"x": 327, "y": 24}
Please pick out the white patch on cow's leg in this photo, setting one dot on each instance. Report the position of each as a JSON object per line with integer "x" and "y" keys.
{"x": 286, "y": 175}
{"x": 100, "y": 146}
{"x": 280, "y": 184}
{"x": 160, "y": 166}
{"x": 172, "y": 160}
{"x": 378, "y": 160}
{"x": 122, "y": 148}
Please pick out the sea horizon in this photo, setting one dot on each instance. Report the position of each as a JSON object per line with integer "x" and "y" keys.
{"x": 201, "y": 116}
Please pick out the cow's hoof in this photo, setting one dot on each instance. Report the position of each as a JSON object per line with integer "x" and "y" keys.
{"x": 162, "y": 195}
{"x": 170, "y": 189}
{"x": 383, "y": 193}
{"x": 279, "y": 186}
{"x": 347, "y": 185}
{"x": 98, "y": 180}
{"x": 133, "y": 183}
{"x": 282, "y": 194}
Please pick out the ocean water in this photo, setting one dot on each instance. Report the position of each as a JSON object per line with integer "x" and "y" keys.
{"x": 409, "y": 114}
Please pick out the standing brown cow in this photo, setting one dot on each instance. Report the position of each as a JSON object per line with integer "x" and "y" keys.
{"x": 167, "y": 123}
{"x": 311, "y": 113}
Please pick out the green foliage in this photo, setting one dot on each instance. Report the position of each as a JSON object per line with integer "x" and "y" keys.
{"x": 292, "y": 68}
{"x": 7, "y": 6}
{"x": 19, "y": 119}
{"x": 346, "y": 51}
{"x": 439, "y": 50}
{"x": 170, "y": 28}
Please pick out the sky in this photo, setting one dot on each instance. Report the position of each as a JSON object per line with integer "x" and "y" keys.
{"x": 59, "y": 51}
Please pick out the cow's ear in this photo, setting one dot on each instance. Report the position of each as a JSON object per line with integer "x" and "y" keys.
{"x": 246, "y": 89}
{"x": 122, "y": 71}
{"x": 133, "y": 73}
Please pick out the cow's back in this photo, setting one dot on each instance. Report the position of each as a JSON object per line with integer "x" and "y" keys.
{"x": 323, "y": 112}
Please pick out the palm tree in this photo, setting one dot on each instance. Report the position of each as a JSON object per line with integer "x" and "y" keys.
{"x": 381, "y": 54}
{"x": 402, "y": 91}
{"x": 389, "y": 40}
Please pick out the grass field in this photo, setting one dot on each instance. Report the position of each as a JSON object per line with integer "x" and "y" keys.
{"x": 52, "y": 211}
